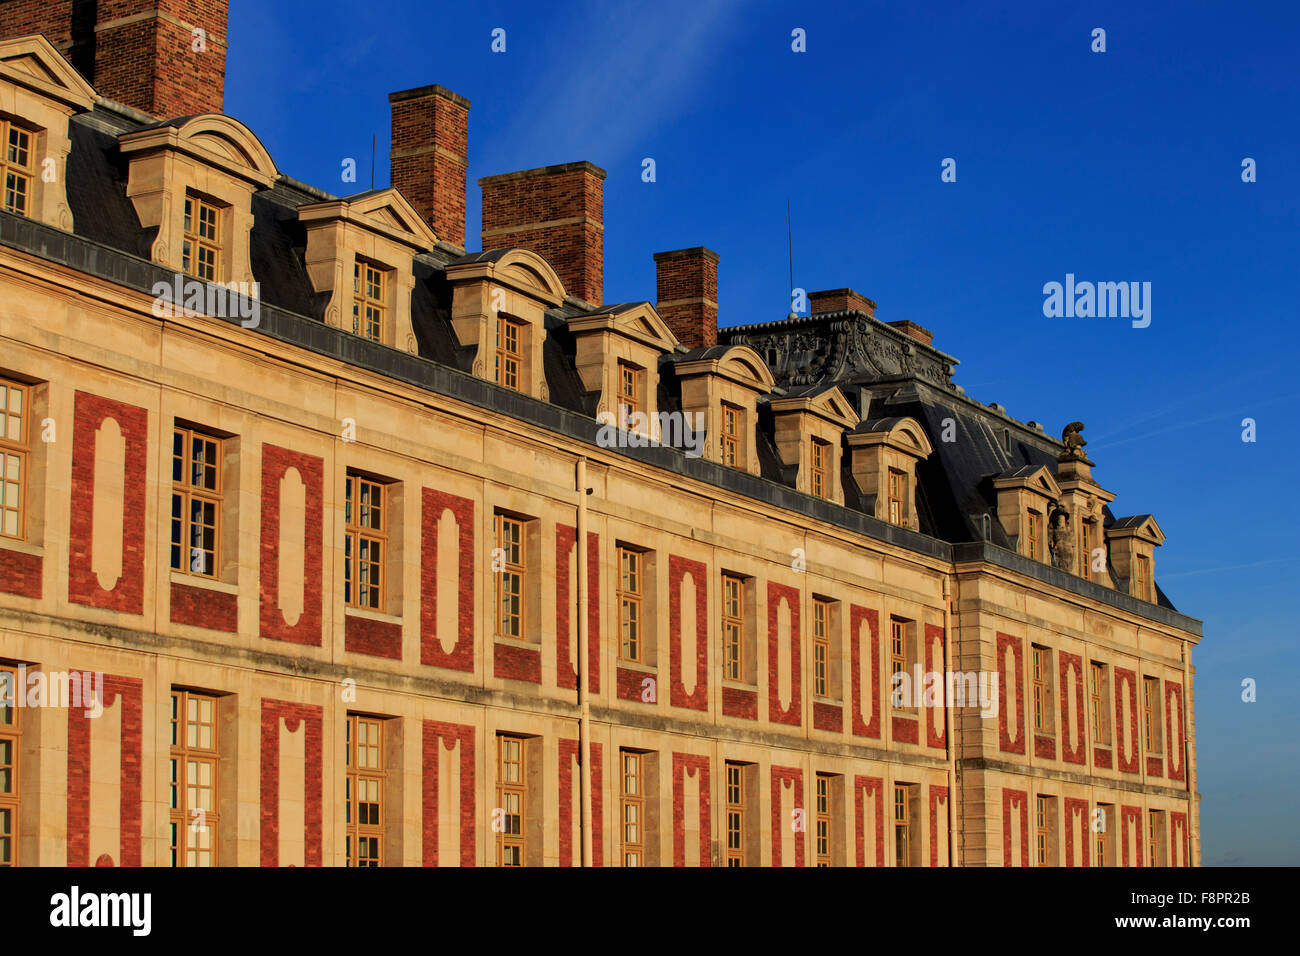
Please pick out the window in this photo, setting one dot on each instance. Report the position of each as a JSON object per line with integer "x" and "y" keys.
{"x": 1097, "y": 695}
{"x": 1151, "y": 713}
{"x": 733, "y": 625}
{"x": 509, "y": 353}
{"x": 200, "y": 247}
{"x": 629, "y": 387}
{"x": 194, "y": 765}
{"x": 823, "y": 820}
{"x": 10, "y": 731}
{"x": 821, "y": 455}
{"x": 510, "y": 580}
{"x": 902, "y": 826}
{"x": 369, "y": 300}
{"x": 511, "y": 793}
{"x": 364, "y": 745}
{"x": 1142, "y": 580}
{"x": 1087, "y": 539}
{"x": 364, "y": 543}
{"x": 821, "y": 648}
{"x": 17, "y": 167}
{"x": 900, "y": 660}
{"x": 196, "y": 502}
{"x": 1042, "y": 689}
{"x": 735, "y": 814}
{"x": 629, "y": 604}
{"x": 1045, "y": 831}
{"x": 1034, "y": 530}
{"x": 1155, "y": 841}
{"x": 14, "y": 401}
{"x": 1103, "y": 842}
{"x": 730, "y": 434}
{"x": 632, "y": 802}
{"x": 897, "y": 496}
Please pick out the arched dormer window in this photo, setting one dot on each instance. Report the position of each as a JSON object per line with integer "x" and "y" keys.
{"x": 884, "y": 453}
{"x": 720, "y": 386}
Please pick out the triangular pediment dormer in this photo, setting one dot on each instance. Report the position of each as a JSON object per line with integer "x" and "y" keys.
{"x": 32, "y": 62}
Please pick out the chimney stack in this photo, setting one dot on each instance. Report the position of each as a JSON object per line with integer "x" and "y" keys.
{"x": 557, "y": 212}
{"x": 840, "y": 300}
{"x": 686, "y": 282}
{"x": 141, "y": 53}
{"x": 429, "y": 156}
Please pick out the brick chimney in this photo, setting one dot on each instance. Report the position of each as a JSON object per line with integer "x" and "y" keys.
{"x": 912, "y": 330}
{"x": 840, "y": 300}
{"x": 557, "y": 212}
{"x": 429, "y": 156}
{"x": 686, "y": 282}
{"x": 137, "y": 52}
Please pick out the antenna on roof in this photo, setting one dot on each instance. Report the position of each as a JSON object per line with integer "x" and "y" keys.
{"x": 372, "y": 160}
{"x": 789, "y": 235}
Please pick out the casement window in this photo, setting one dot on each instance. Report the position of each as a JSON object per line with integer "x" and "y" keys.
{"x": 1151, "y": 714}
{"x": 1103, "y": 837}
{"x": 821, "y": 456}
{"x": 1087, "y": 542}
{"x": 629, "y": 387}
{"x": 736, "y": 810}
{"x": 821, "y": 645}
{"x": 731, "y": 418}
{"x": 512, "y": 794}
{"x": 15, "y": 457}
{"x": 1142, "y": 577}
{"x": 901, "y": 659}
{"x": 369, "y": 299}
{"x": 1045, "y": 831}
{"x": 903, "y": 836}
{"x": 365, "y": 542}
{"x": 201, "y": 243}
{"x": 733, "y": 627}
{"x": 363, "y": 814}
{"x": 10, "y": 741}
{"x": 196, "y": 502}
{"x": 1042, "y": 687}
{"x": 195, "y": 764}
{"x": 1098, "y": 698}
{"x": 631, "y": 625}
{"x": 822, "y": 820}
{"x": 511, "y": 541}
{"x": 897, "y": 497}
{"x": 1155, "y": 838}
{"x": 632, "y": 808}
{"x": 17, "y": 164}
{"x": 509, "y": 353}
{"x": 1034, "y": 532}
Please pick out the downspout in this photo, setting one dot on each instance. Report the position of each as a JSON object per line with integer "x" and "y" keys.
{"x": 953, "y": 859}
{"x": 1193, "y": 811}
{"x": 584, "y": 705}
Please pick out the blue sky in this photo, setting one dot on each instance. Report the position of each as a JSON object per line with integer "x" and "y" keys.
{"x": 1115, "y": 166}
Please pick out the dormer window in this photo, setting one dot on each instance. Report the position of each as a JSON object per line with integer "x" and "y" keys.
{"x": 820, "y": 459}
{"x": 1142, "y": 577}
{"x": 201, "y": 247}
{"x": 629, "y": 387}
{"x": 884, "y": 453}
{"x": 897, "y": 496}
{"x": 1034, "y": 528}
{"x": 509, "y": 352}
{"x": 17, "y": 167}
{"x": 730, "y": 448}
{"x": 369, "y": 300}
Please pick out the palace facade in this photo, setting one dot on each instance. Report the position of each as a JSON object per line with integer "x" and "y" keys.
{"x": 329, "y": 563}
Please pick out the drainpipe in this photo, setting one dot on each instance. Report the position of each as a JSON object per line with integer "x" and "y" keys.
{"x": 584, "y": 705}
{"x": 1193, "y": 814}
{"x": 950, "y": 736}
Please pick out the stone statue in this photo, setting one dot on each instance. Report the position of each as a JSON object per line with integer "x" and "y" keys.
{"x": 1060, "y": 539}
{"x": 1074, "y": 443}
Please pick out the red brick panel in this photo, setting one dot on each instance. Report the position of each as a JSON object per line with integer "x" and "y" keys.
{"x": 740, "y": 703}
{"x": 904, "y": 730}
{"x": 938, "y": 796}
{"x": 1015, "y": 800}
{"x": 1007, "y": 743}
{"x": 276, "y": 462}
{"x": 293, "y": 715}
{"x": 569, "y": 756}
{"x": 1178, "y": 845}
{"x": 678, "y": 568}
{"x": 934, "y": 645}
{"x": 794, "y": 777}
{"x": 204, "y": 607}
{"x": 437, "y": 732}
{"x": 1044, "y": 747}
{"x": 691, "y": 765}
{"x": 864, "y": 787}
{"x": 1175, "y": 748}
{"x": 1155, "y": 767}
{"x": 566, "y": 672}
{"x": 1129, "y": 751}
{"x": 631, "y": 685}
{"x": 828, "y": 717}
{"x": 1076, "y": 808}
{"x": 857, "y": 615}
{"x": 1072, "y": 663}
{"x": 364, "y": 635}
{"x": 1130, "y": 821}
{"x": 517, "y": 663}
{"x": 1101, "y": 757}
{"x": 130, "y": 691}
{"x": 20, "y": 573}
{"x": 461, "y": 656}
{"x": 792, "y": 715}
{"x": 127, "y": 594}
